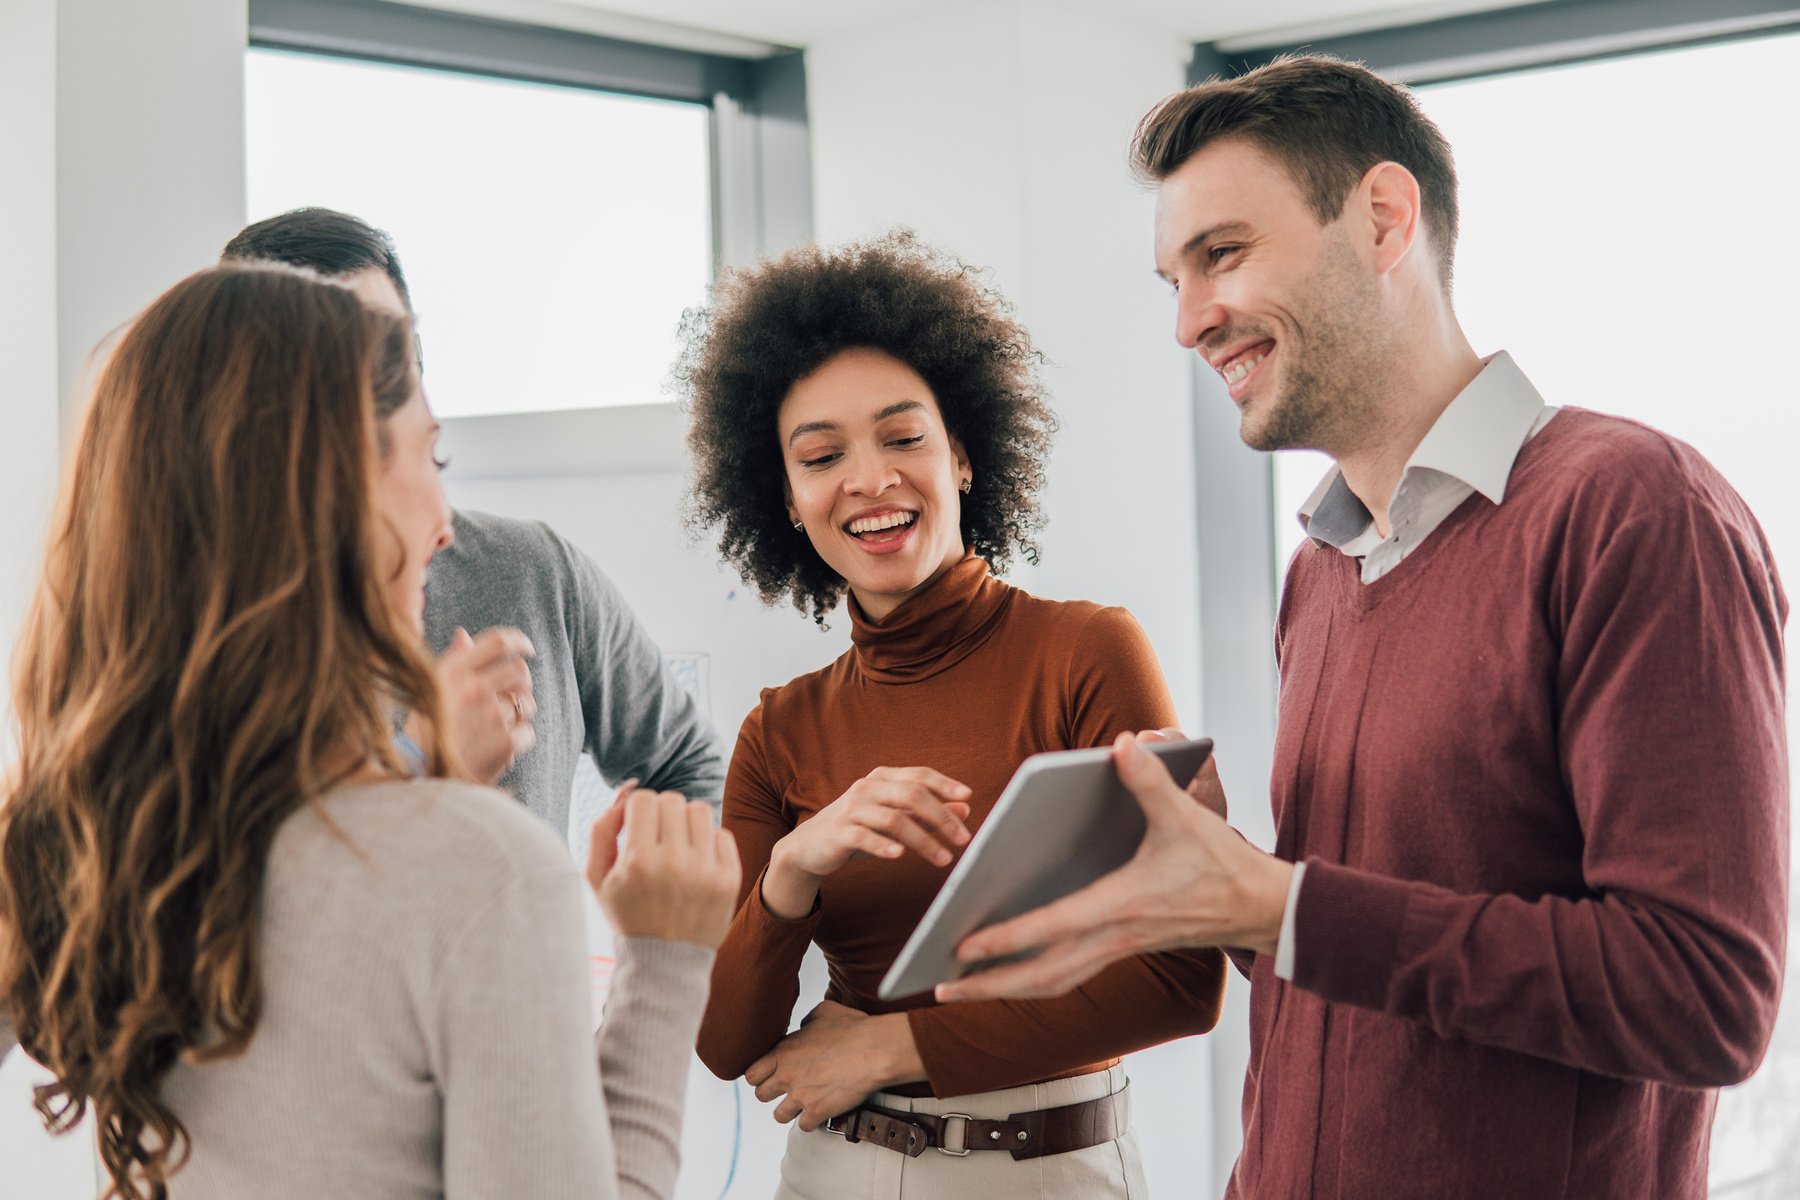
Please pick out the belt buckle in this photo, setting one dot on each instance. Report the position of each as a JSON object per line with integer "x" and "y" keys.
{"x": 828, "y": 1127}
{"x": 945, "y": 1135}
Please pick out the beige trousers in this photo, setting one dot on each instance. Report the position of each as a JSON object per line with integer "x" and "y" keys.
{"x": 823, "y": 1166}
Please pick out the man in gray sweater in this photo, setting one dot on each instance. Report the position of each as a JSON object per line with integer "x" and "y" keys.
{"x": 596, "y": 680}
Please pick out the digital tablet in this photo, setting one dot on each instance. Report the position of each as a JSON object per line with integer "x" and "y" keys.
{"x": 1063, "y": 821}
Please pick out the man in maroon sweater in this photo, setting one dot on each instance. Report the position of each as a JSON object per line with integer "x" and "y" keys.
{"x": 1527, "y": 908}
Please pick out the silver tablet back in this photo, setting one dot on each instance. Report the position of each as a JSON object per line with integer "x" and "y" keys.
{"x": 1063, "y": 821}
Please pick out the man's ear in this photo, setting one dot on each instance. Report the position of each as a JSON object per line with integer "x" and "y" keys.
{"x": 1389, "y": 195}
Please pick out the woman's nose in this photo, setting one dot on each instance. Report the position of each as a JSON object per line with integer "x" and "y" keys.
{"x": 870, "y": 475}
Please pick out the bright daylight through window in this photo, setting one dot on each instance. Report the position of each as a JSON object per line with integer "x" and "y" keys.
{"x": 551, "y": 235}
{"x": 1629, "y": 236}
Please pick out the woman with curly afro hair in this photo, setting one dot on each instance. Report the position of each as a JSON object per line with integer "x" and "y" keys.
{"x": 869, "y": 420}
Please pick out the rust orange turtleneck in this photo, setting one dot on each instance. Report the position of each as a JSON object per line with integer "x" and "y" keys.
{"x": 968, "y": 677}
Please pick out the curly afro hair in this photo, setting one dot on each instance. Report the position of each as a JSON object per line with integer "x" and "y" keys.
{"x": 771, "y": 325}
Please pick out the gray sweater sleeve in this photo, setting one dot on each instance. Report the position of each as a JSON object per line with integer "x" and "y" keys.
{"x": 639, "y": 722}
{"x": 521, "y": 1115}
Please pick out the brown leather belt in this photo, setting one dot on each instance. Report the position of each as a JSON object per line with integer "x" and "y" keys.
{"x": 1023, "y": 1135}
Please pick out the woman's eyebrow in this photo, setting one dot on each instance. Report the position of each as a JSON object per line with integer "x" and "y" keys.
{"x": 892, "y": 410}
{"x": 811, "y": 427}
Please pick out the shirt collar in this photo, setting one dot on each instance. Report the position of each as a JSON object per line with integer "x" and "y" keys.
{"x": 1475, "y": 440}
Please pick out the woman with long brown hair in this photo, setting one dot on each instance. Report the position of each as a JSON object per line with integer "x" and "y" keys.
{"x": 265, "y": 960}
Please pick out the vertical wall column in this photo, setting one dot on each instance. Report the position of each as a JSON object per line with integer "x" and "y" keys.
{"x": 149, "y": 157}
{"x": 122, "y": 128}
{"x": 28, "y": 360}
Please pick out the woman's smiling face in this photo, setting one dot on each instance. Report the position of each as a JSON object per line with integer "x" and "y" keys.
{"x": 873, "y": 475}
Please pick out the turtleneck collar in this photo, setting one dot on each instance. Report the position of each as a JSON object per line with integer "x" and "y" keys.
{"x": 933, "y": 630}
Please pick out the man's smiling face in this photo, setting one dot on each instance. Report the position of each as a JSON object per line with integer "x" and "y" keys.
{"x": 1281, "y": 306}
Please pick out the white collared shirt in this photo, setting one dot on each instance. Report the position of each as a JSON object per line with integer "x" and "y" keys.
{"x": 1470, "y": 448}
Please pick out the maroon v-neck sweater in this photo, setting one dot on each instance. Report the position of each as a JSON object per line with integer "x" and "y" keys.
{"x": 1539, "y": 776}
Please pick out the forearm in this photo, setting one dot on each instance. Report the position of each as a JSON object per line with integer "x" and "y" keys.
{"x": 1130, "y": 1006}
{"x": 1619, "y": 985}
{"x": 756, "y": 980}
{"x": 642, "y": 723}
{"x": 787, "y": 892}
{"x": 894, "y": 1051}
{"x": 692, "y": 758}
{"x": 652, "y": 1018}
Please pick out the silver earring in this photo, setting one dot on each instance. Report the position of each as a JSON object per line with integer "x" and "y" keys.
{"x": 799, "y": 524}
{"x": 968, "y": 485}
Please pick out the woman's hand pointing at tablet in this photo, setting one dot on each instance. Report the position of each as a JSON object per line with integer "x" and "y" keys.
{"x": 884, "y": 814}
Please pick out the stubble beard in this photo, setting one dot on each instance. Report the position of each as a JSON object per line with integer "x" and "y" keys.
{"x": 1327, "y": 392}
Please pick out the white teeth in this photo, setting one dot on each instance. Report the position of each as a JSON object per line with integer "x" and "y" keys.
{"x": 1238, "y": 370}
{"x": 884, "y": 521}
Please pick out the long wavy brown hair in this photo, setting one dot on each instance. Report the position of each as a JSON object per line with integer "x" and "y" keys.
{"x": 210, "y": 648}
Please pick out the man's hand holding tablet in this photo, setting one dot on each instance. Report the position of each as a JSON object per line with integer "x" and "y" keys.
{"x": 1193, "y": 882}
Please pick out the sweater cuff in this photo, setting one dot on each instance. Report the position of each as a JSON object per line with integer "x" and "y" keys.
{"x": 1350, "y": 922}
{"x": 767, "y": 919}
{"x": 678, "y": 974}
{"x": 1284, "y": 942}
{"x": 665, "y": 958}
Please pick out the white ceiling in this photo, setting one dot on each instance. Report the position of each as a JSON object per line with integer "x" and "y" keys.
{"x": 736, "y": 26}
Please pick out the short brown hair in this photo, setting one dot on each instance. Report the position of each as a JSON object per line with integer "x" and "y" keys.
{"x": 327, "y": 241}
{"x": 1326, "y": 120}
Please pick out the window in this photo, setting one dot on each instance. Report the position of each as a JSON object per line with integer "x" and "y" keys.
{"x": 551, "y": 235}
{"x": 1628, "y": 236}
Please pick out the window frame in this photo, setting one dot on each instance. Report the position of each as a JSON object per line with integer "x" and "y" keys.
{"x": 1522, "y": 38}
{"x": 761, "y": 179}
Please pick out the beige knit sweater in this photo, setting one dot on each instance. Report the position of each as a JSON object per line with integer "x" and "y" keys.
{"x": 426, "y": 1026}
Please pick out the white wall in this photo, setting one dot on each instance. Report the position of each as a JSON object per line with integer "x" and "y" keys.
{"x": 150, "y": 156}
{"x": 121, "y": 127}
{"x": 28, "y": 359}
{"x": 999, "y": 132}
{"x": 34, "y": 1164}
{"x": 121, "y": 135}
{"x": 916, "y": 123}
